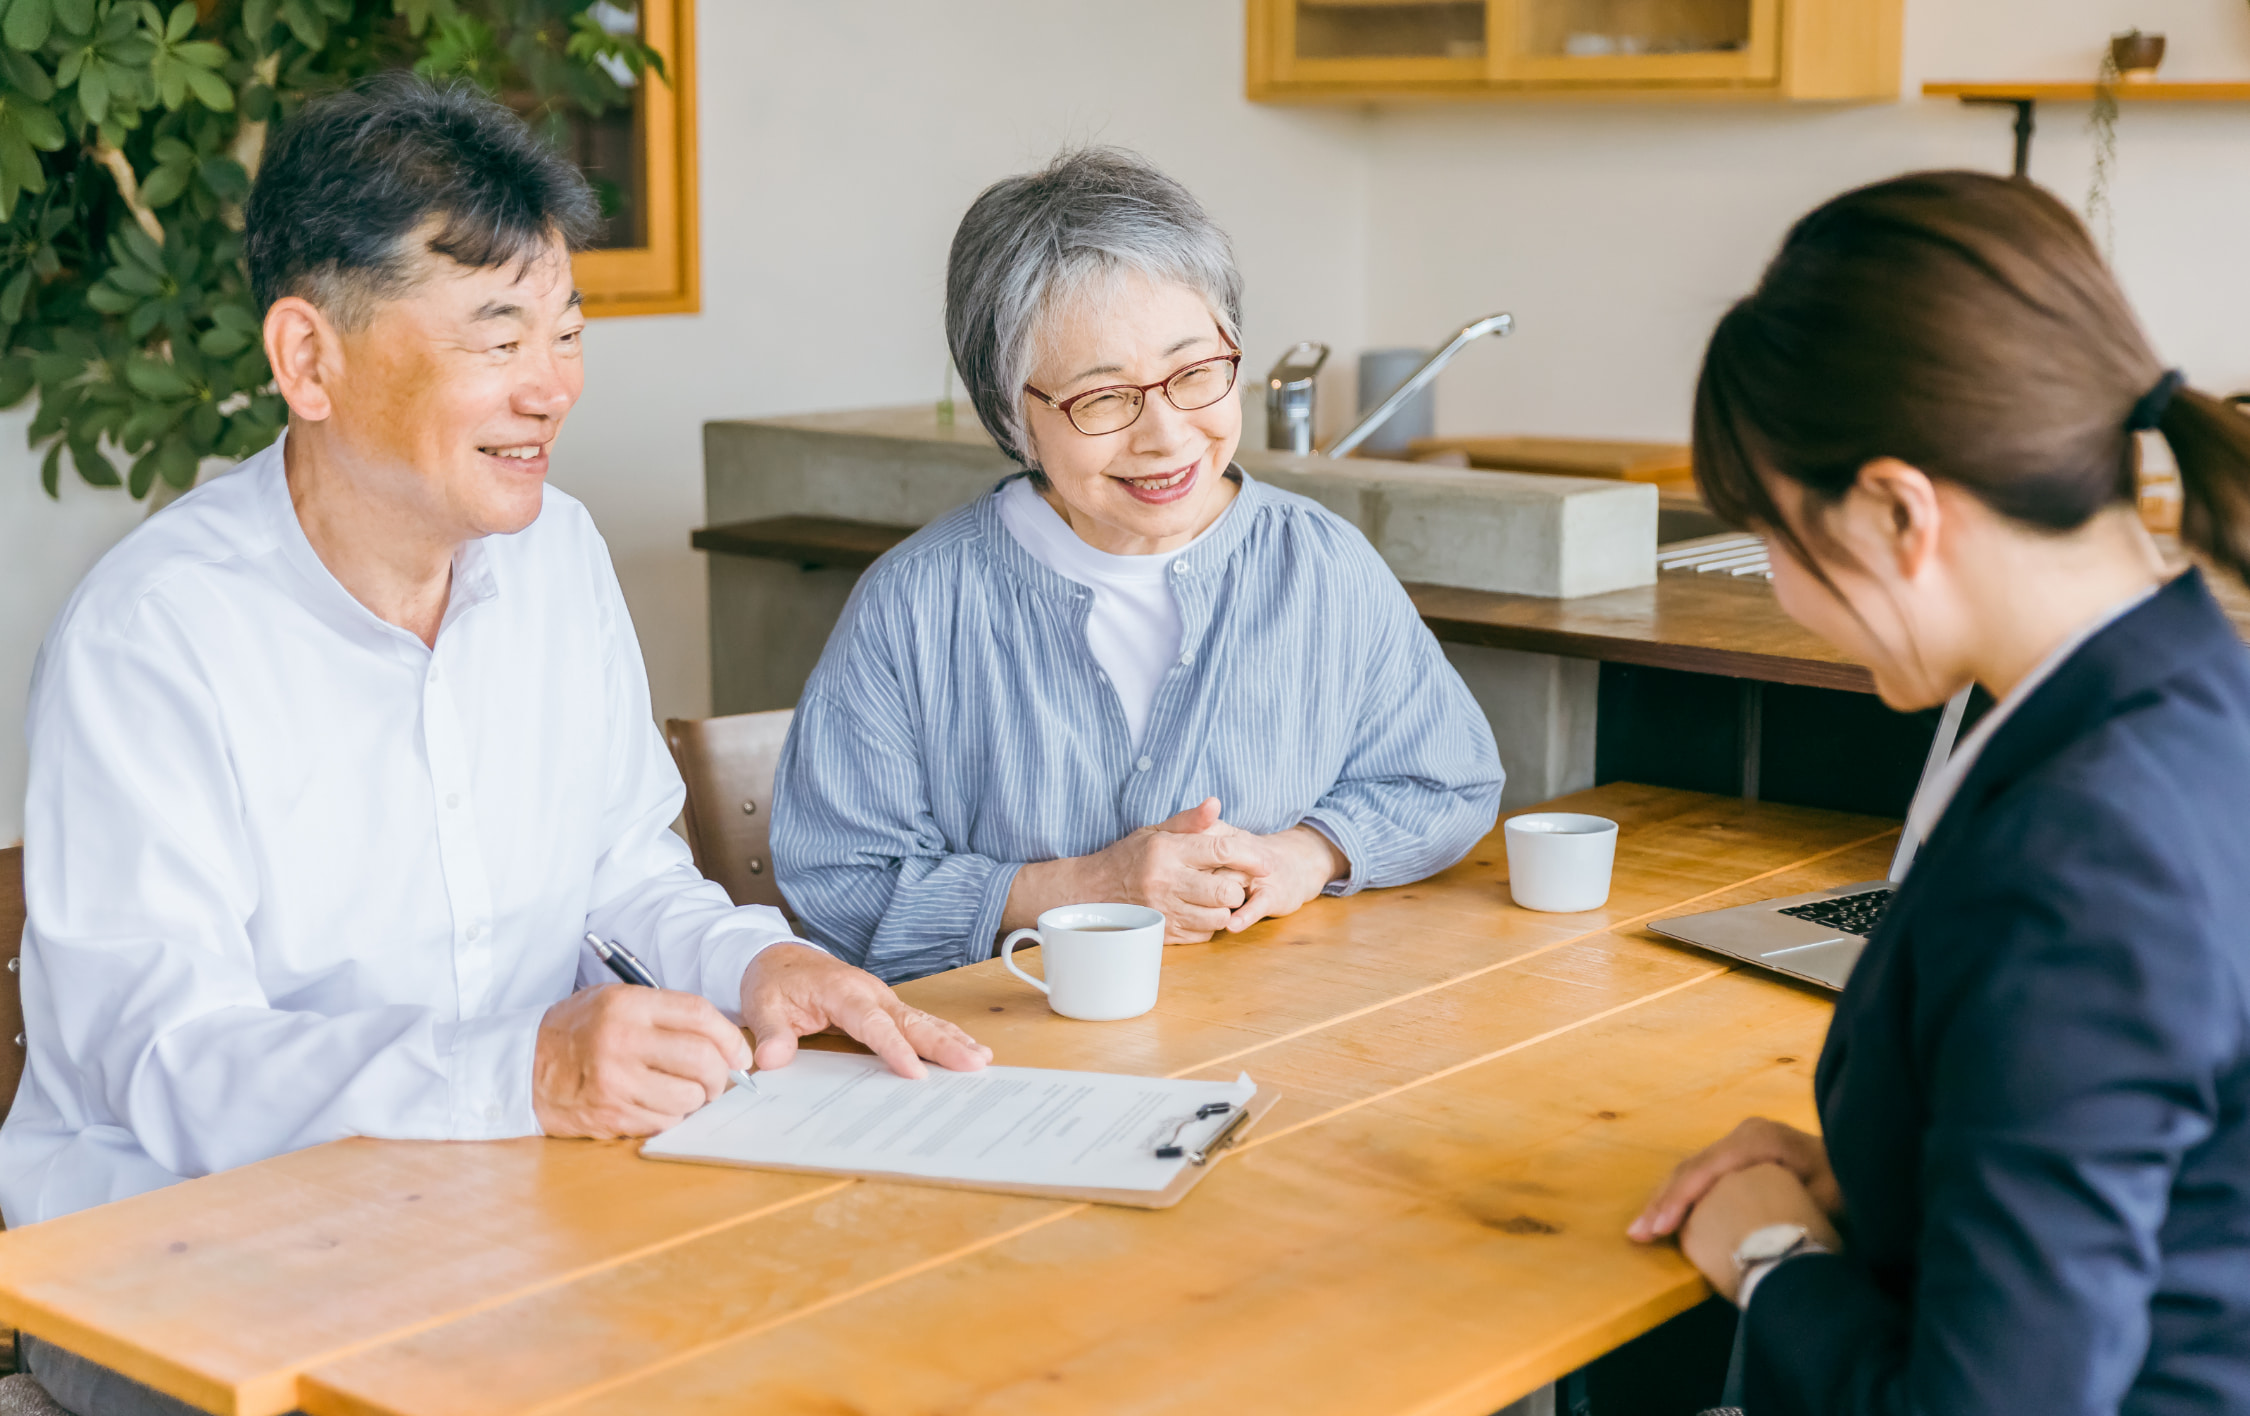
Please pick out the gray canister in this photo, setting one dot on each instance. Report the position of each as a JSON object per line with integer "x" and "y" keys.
{"x": 1381, "y": 371}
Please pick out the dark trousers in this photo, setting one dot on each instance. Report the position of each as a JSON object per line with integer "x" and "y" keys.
{"x": 89, "y": 1389}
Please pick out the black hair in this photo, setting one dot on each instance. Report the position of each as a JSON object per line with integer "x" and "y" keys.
{"x": 355, "y": 172}
{"x": 1966, "y": 325}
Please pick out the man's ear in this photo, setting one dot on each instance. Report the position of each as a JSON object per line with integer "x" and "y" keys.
{"x": 307, "y": 355}
{"x": 1907, "y": 511}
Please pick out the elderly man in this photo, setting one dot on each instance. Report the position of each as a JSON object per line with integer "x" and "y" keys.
{"x": 336, "y": 761}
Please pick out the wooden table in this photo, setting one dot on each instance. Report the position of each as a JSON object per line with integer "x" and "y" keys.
{"x": 1477, "y": 1099}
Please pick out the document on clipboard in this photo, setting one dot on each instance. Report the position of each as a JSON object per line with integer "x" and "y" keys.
{"x": 1022, "y": 1130}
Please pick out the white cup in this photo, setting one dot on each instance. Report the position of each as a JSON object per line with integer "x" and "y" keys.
{"x": 1559, "y": 861}
{"x": 1101, "y": 961}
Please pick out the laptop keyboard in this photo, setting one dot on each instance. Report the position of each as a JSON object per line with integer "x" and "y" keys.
{"x": 1852, "y": 914}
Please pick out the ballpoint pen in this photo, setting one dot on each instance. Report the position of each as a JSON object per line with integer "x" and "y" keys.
{"x": 622, "y": 963}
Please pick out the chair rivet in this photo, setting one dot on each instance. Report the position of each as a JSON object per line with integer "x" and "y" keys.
{"x": 757, "y": 866}
{"x": 749, "y": 808}
{"x": 19, "y": 1039}
{"x": 15, "y": 965}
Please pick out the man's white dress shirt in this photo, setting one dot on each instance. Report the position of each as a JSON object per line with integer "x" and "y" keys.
{"x": 294, "y": 876}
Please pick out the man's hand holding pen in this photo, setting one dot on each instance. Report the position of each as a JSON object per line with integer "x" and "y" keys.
{"x": 620, "y": 1060}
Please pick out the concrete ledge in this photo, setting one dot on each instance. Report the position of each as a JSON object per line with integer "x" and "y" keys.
{"x": 1515, "y": 532}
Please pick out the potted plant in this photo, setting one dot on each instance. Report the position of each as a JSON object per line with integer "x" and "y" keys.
{"x": 129, "y": 135}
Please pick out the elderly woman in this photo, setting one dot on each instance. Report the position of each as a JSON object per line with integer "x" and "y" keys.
{"x": 1131, "y": 673}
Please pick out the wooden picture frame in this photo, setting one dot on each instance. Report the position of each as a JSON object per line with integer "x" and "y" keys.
{"x": 663, "y": 277}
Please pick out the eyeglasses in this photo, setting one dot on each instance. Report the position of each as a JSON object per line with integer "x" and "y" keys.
{"x": 1116, "y": 407}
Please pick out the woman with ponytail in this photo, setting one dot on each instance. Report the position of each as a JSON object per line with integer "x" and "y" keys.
{"x": 2032, "y": 1191}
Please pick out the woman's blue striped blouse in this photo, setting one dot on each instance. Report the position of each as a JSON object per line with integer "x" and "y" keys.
{"x": 957, "y": 727}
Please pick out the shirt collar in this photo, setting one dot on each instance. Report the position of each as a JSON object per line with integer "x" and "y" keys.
{"x": 1930, "y": 803}
{"x": 1209, "y": 551}
{"x": 474, "y": 580}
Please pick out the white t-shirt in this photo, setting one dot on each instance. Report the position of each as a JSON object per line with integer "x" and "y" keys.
{"x": 1134, "y": 629}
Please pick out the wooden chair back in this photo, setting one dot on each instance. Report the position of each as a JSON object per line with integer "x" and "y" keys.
{"x": 11, "y": 984}
{"x": 728, "y": 764}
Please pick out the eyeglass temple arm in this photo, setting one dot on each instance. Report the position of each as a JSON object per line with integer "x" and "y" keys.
{"x": 1419, "y": 380}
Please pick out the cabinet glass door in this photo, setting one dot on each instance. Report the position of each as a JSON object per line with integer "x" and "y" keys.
{"x": 1653, "y": 41}
{"x": 1393, "y": 40}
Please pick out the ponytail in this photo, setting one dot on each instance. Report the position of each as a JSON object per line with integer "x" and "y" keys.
{"x": 2211, "y": 442}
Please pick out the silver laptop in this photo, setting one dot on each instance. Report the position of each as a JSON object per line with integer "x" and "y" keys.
{"x": 1817, "y": 937}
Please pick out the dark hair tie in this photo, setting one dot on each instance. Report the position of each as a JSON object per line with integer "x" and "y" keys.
{"x": 2149, "y": 412}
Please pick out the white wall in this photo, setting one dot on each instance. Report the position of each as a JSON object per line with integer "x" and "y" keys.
{"x": 841, "y": 143}
{"x": 840, "y": 146}
{"x": 1619, "y": 234}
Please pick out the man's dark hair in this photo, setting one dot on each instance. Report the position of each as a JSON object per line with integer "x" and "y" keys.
{"x": 347, "y": 180}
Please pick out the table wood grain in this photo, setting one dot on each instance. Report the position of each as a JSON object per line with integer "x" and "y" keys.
{"x": 1477, "y": 1099}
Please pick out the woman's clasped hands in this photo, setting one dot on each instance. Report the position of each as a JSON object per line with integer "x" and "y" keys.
{"x": 1762, "y": 1173}
{"x": 1201, "y": 873}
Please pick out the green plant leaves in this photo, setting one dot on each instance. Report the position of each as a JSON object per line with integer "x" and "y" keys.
{"x": 143, "y": 354}
{"x": 26, "y": 130}
{"x": 26, "y": 23}
{"x": 179, "y": 66}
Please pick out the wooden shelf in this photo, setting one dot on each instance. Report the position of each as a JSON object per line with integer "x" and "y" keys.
{"x": 814, "y": 542}
{"x": 2025, "y": 97}
{"x": 1706, "y": 624}
{"x": 1703, "y": 623}
{"x": 2129, "y": 90}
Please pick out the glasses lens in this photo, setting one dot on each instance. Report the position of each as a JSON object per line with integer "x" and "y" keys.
{"x": 1200, "y": 385}
{"x": 1106, "y": 411}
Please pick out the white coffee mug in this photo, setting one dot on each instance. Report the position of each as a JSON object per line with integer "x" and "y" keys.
{"x": 1559, "y": 861}
{"x": 1101, "y": 961}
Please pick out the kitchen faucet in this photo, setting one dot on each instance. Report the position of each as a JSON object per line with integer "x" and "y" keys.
{"x": 1289, "y": 397}
{"x": 1418, "y": 380}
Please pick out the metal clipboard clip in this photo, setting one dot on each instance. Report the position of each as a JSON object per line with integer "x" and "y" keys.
{"x": 1172, "y": 1149}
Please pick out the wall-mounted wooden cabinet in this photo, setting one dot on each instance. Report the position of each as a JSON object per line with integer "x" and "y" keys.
{"x": 1364, "y": 50}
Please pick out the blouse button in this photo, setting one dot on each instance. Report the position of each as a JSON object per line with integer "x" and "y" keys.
{"x": 1144, "y": 764}
{"x": 476, "y": 929}
{"x": 1179, "y": 567}
{"x": 452, "y": 801}
{"x": 1188, "y": 657}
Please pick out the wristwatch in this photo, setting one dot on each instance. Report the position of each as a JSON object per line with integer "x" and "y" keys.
{"x": 1763, "y": 1250}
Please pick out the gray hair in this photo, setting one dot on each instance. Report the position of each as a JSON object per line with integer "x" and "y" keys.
{"x": 1031, "y": 242}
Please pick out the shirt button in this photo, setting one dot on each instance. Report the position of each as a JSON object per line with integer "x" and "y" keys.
{"x": 433, "y": 673}
{"x": 1179, "y": 567}
{"x": 1145, "y": 763}
{"x": 452, "y": 801}
{"x": 492, "y": 1113}
{"x": 1188, "y": 657}
{"x": 476, "y": 928}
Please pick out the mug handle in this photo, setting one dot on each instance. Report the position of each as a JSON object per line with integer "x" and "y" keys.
{"x": 1007, "y": 959}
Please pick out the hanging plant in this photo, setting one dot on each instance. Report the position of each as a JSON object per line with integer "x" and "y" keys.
{"x": 2102, "y": 125}
{"x": 129, "y": 136}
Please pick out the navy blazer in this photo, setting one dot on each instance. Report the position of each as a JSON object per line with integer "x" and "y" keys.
{"x": 2036, "y": 1091}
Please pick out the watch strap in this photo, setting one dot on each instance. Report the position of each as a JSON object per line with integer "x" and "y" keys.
{"x": 1755, "y": 1273}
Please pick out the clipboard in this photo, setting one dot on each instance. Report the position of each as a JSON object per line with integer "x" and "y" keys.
{"x": 1191, "y": 1174}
